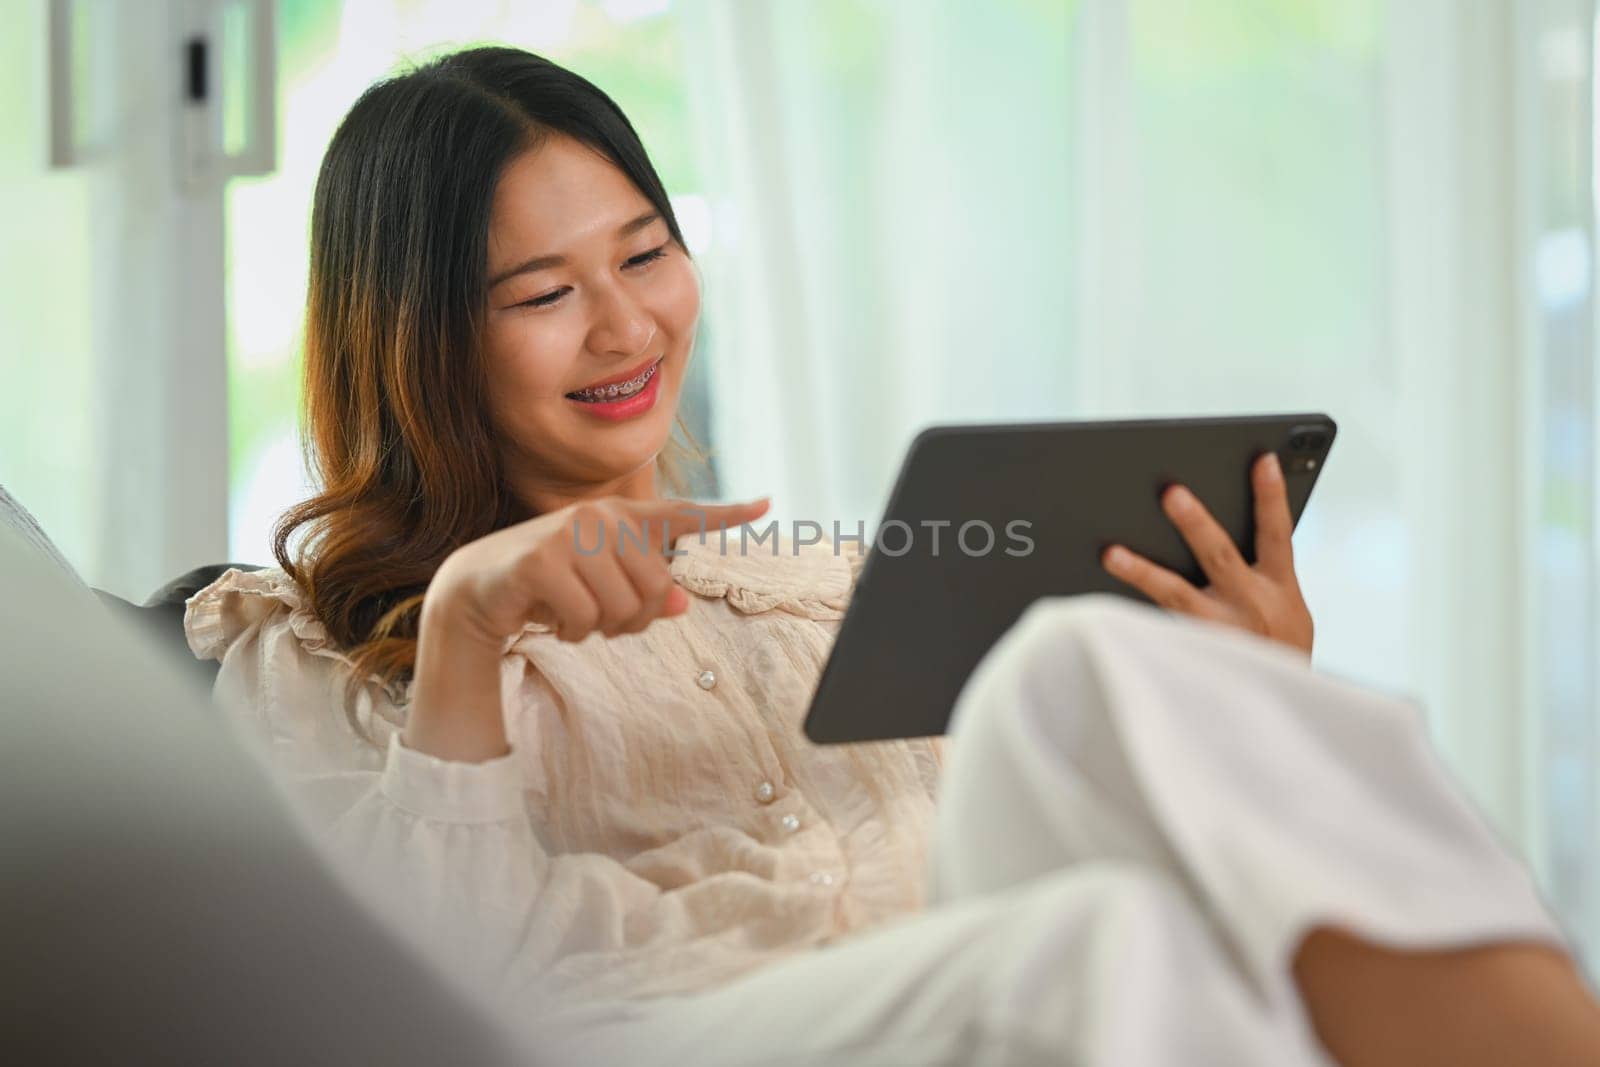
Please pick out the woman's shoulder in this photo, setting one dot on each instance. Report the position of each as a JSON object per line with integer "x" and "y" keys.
{"x": 242, "y": 602}
{"x": 282, "y": 672}
{"x": 755, "y": 570}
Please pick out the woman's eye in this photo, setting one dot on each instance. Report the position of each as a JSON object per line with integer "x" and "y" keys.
{"x": 648, "y": 257}
{"x": 641, "y": 260}
{"x": 543, "y": 301}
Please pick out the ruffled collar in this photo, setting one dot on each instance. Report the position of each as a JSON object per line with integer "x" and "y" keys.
{"x": 776, "y": 574}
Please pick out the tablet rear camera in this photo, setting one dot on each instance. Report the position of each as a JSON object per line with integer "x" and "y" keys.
{"x": 1307, "y": 446}
{"x": 1309, "y": 441}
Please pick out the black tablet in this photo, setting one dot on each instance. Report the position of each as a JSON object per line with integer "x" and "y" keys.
{"x": 983, "y": 520}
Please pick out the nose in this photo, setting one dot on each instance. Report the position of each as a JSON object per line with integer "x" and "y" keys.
{"x": 622, "y": 326}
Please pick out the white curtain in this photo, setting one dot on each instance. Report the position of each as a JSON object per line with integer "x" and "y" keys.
{"x": 892, "y": 233}
{"x": 963, "y": 212}
{"x": 1556, "y": 120}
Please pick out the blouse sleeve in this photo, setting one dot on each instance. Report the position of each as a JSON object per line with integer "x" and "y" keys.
{"x": 446, "y": 849}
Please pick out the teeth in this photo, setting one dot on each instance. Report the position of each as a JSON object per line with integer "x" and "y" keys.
{"x": 610, "y": 392}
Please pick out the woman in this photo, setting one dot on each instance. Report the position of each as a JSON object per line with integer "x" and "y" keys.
{"x": 582, "y": 771}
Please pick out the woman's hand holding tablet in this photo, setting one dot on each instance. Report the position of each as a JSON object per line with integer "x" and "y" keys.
{"x": 1193, "y": 514}
{"x": 1264, "y": 598}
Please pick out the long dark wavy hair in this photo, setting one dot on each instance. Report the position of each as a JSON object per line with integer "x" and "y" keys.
{"x": 396, "y": 425}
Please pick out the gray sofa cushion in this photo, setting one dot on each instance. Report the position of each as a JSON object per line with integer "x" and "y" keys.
{"x": 161, "y": 615}
{"x": 15, "y": 516}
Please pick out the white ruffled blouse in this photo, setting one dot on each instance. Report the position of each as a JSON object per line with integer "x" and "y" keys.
{"x": 660, "y": 825}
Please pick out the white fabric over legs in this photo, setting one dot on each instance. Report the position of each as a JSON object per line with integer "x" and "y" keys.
{"x": 1099, "y": 965}
{"x": 1099, "y": 729}
{"x": 1142, "y": 817}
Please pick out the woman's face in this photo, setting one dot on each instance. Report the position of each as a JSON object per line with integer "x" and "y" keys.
{"x": 586, "y": 287}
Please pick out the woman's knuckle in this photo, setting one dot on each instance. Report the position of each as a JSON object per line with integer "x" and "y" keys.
{"x": 656, "y": 583}
{"x": 535, "y": 560}
{"x": 642, "y": 536}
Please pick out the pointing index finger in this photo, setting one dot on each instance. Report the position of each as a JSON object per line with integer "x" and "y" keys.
{"x": 683, "y": 517}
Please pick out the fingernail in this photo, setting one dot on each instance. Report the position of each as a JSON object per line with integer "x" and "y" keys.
{"x": 1117, "y": 558}
{"x": 1179, "y": 498}
{"x": 1274, "y": 468}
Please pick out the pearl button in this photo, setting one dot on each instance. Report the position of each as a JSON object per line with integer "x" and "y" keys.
{"x": 791, "y": 823}
{"x": 707, "y": 680}
{"x": 765, "y": 793}
{"x": 821, "y": 878}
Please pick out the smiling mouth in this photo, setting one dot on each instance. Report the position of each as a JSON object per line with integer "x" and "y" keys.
{"x": 617, "y": 390}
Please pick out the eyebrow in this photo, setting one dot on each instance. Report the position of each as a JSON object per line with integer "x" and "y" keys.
{"x": 627, "y": 229}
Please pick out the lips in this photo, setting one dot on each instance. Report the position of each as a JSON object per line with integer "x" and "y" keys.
{"x": 620, "y": 403}
{"x": 621, "y": 379}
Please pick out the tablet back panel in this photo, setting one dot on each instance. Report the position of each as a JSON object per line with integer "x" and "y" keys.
{"x": 924, "y": 612}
